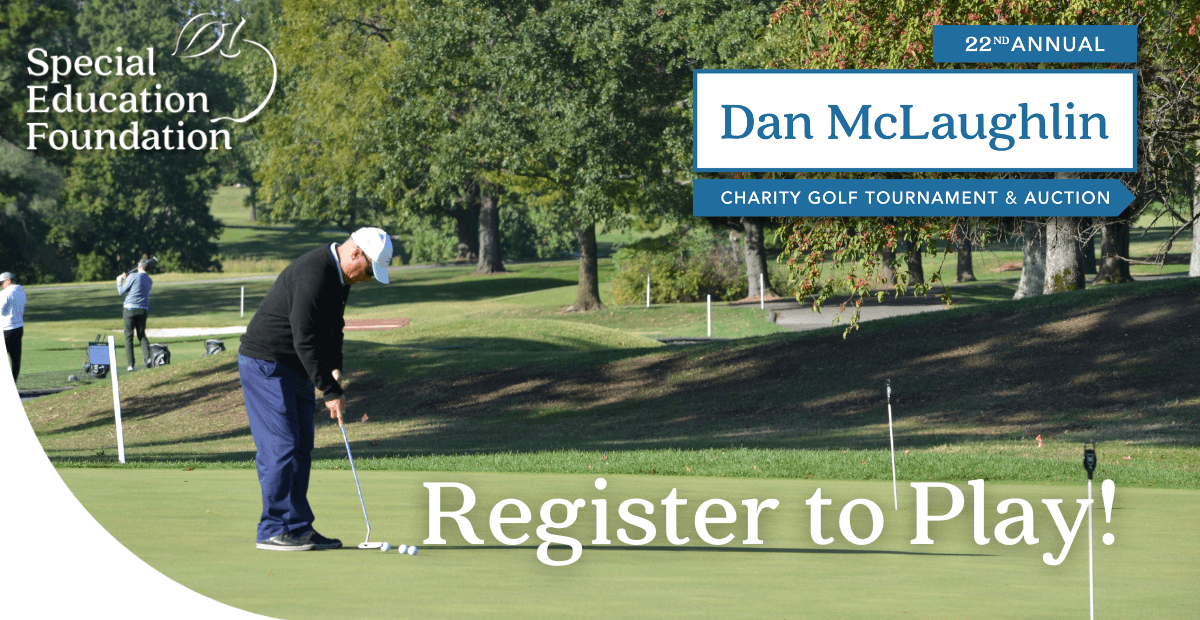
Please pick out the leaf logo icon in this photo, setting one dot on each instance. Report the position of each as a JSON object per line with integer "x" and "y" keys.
{"x": 215, "y": 22}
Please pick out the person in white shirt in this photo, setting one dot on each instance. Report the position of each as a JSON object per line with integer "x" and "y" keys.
{"x": 12, "y": 319}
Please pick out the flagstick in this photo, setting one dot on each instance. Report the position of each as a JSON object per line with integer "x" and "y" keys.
{"x": 892, "y": 440}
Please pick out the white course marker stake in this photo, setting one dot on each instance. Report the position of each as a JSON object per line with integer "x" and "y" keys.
{"x": 112, "y": 366}
{"x": 709, "y": 316}
{"x": 1089, "y": 465}
{"x": 1091, "y": 564}
{"x": 647, "y": 290}
{"x": 762, "y": 304}
{"x": 243, "y": 302}
{"x": 892, "y": 441}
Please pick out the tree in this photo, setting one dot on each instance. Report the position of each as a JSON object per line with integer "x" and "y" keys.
{"x": 29, "y": 189}
{"x": 1033, "y": 267}
{"x": 1064, "y": 270}
{"x": 30, "y": 184}
{"x": 965, "y": 271}
{"x": 1194, "y": 199}
{"x": 747, "y": 238}
{"x": 121, "y": 205}
{"x": 25, "y": 25}
{"x": 318, "y": 160}
{"x": 448, "y": 125}
{"x": 873, "y": 34}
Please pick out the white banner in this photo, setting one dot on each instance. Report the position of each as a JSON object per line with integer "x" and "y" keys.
{"x": 915, "y": 121}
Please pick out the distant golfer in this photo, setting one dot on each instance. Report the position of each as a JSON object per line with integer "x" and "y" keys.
{"x": 12, "y": 319}
{"x": 293, "y": 343}
{"x": 135, "y": 289}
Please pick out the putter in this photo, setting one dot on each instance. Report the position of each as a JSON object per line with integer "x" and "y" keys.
{"x": 366, "y": 544}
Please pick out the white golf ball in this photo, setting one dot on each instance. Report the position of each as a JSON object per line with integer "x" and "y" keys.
{"x": 402, "y": 548}
{"x": 412, "y": 550}
{"x": 385, "y": 548}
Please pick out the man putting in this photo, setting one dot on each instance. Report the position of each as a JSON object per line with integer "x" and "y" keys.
{"x": 293, "y": 343}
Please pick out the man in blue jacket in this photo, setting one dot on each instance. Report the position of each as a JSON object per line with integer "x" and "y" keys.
{"x": 293, "y": 344}
{"x": 135, "y": 289}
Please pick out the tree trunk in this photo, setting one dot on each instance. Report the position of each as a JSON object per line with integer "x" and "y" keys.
{"x": 756, "y": 257}
{"x": 1194, "y": 266}
{"x": 886, "y": 257}
{"x": 966, "y": 269}
{"x": 1087, "y": 249}
{"x": 916, "y": 269}
{"x": 588, "y": 296}
{"x": 1033, "y": 267}
{"x": 1114, "y": 250}
{"x": 1064, "y": 269}
{"x": 489, "y": 233}
{"x": 466, "y": 220}
{"x": 251, "y": 200}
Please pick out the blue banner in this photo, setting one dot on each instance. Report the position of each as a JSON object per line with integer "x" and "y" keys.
{"x": 908, "y": 197}
{"x": 1083, "y": 44}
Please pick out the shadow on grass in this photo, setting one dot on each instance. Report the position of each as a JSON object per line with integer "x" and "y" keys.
{"x": 1114, "y": 363}
{"x": 1095, "y": 362}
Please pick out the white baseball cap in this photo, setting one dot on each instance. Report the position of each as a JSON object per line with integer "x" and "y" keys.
{"x": 377, "y": 245}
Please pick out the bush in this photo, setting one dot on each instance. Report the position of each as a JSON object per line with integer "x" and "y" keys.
{"x": 683, "y": 268}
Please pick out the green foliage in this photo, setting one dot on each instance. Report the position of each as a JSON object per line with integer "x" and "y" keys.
{"x": 525, "y": 235}
{"x": 894, "y": 34}
{"x": 29, "y": 189}
{"x": 120, "y": 205}
{"x": 426, "y": 239}
{"x": 319, "y": 156}
{"x": 832, "y": 255}
{"x": 24, "y": 25}
{"x": 682, "y": 268}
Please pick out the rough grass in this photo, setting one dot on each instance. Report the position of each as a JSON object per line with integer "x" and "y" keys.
{"x": 972, "y": 388}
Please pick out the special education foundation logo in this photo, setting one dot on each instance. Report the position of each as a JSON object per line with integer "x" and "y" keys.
{"x": 140, "y": 111}
{"x": 220, "y": 26}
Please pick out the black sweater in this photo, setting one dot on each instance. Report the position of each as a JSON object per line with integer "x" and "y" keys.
{"x": 299, "y": 323}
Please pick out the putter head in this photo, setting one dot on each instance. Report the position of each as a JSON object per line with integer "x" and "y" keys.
{"x": 371, "y": 545}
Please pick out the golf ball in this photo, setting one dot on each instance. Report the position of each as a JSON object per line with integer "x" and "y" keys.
{"x": 385, "y": 548}
{"x": 402, "y": 548}
{"x": 412, "y": 550}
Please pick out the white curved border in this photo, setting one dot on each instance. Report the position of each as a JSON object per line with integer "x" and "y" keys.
{"x": 61, "y": 563}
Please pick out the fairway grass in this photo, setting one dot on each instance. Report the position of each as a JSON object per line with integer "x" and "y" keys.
{"x": 197, "y": 527}
{"x": 537, "y": 394}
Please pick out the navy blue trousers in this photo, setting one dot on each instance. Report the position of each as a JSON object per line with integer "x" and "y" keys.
{"x": 280, "y": 405}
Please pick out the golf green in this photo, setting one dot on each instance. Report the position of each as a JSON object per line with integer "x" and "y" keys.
{"x": 198, "y": 527}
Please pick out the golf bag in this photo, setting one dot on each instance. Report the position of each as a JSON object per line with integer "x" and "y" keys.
{"x": 213, "y": 347}
{"x": 160, "y": 355}
{"x": 96, "y": 365}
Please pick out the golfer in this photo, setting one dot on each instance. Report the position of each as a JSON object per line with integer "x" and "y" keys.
{"x": 12, "y": 319}
{"x": 135, "y": 289}
{"x": 293, "y": 343}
